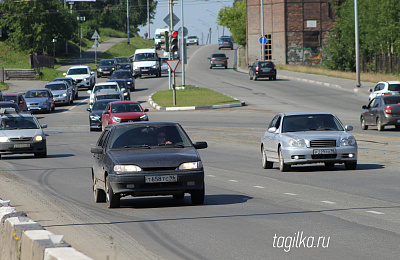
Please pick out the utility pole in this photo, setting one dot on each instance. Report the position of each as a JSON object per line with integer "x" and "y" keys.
{"x": 183, "y": 45}
{"x": 262, "y": 29}
{"x": 358, "y": 84}
{"x": 171, "y": 28}
{"x": 127, "y": 19}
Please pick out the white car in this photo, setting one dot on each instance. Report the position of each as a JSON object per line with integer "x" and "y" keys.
{"x": 385, "y": 88}
{"x": 101, "y": 86}
{"x": 83, "y": 76}
{"x": 192, "y": 40}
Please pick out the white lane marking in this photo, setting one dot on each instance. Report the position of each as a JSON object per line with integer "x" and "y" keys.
{"x": 291, "y": 194}
{"x": 233, "y": 180}
{"x": 259, "y": 187}
{"x": 328, "y": 202}
{"x": 375, "y": 212}
{"x": 211, "y": 175}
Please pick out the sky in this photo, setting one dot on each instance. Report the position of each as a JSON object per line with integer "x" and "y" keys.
{"x": 198, "y": 17}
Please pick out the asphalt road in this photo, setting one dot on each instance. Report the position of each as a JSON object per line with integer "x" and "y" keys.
{"x": 249, "y": 212}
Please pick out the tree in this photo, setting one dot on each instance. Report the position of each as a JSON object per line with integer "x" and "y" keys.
{"x": 234, "y": 18}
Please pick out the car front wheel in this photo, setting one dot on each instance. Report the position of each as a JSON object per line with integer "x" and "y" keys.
{"x": 265, "y": 163}
{"x": 283, "y": 167}
{"x": 99, "y": 195}
{"x": 113, "y": 200}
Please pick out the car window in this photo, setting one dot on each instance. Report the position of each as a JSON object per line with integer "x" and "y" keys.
{"x": 391, "y": 100}
{"x": 394, "y": 87}
{"x": 10, "y": 99}
{"x": 9, "y": 123}
{"x": 274, "y": 121}
{"x": 375, "y": 102}
{"x": 266, "y": 65}
{"x": 35, "y": 94}
{"x": 99, "y": 106}
{"x": 310, "y": 123}
{"x": 121, "y": 75}
{"x": 218, "y": 55}
{"x": 56, "y": 87}
{"x": 106, "y": 62}
{"x": 78, "y": 71}
{"x": 103, "y": 139}
{"x": 122, "y": 60}
{"x": 145, "y": 57}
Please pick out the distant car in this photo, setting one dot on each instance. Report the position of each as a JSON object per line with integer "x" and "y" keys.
{"x": 107, "y": 94}
{"x": 9, "y": 105}
{"x": 40, "y": 100}
{"x": 164, "y": 65}
{"x": 72, "y": 84}
{"x": 381, "y": 111}
{"x": 225, "y": 42}
{"x": 62, "y": 92}
{"x": 125, "y": 75}
{"x": 122, "y": 112}
{"x": 17, "y": 98}
{"x": 83, "y": 76}
{"x": 218, "y": 60}
{"x": 192, "y": 40}
{"x": 96, "y": 112}
{"x": 106, "y": 67}
{"x": 262, "y": 69}
{"x": 123, "y": 63}
{"x": 21, "y": 134}
{"x": 103, "y": 86}
{"x": 130, "y": 160}
{"x": 385, "y": 88}
{"x": 306, "y": 138}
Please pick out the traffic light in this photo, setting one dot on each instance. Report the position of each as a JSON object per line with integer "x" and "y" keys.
{"x": 164, "y": 43}
{"x": 173, "y": 41}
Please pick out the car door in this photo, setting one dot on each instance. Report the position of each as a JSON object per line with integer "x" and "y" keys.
{"x": 106, "y": 116}
{"x": 270, "y": 138}
{"x": 375, "y": 108}
{"x": 99, "y": 159}
{"x": 22, "y": 103}
{"x": 370, "y": 114}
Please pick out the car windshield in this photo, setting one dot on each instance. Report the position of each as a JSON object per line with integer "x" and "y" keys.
{"x": 389, "y": 100}
{"x": 297, "y": 123}
{"x": 121, "y": 75}
{"x": 36, "y": 94}
{"x": 394, "y": 87}
{"x": 145, "y": 57}
{"x": 106, "y": 63}
{"x": 110, "y": 96}
{"x": 56, "y": 87}
{"x": 219, "y": 55}
{"x": 143, "y": 135}
{"x": 10, "y": 99}
{"x": 109, "y": 87}
{"x": 265, "y": 65}
{"x": 100, "y": 105}
{"x": 125, "y": 108}
{"x": 78, "y": 71}
{"x": 123, "y": 60}
{"x": 8, "y": 123}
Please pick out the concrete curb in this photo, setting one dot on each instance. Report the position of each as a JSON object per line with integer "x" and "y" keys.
{"x": 22, "y": 238}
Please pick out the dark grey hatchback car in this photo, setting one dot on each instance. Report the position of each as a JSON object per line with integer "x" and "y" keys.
{"x": 262, "y": 69}
{"x": 146, "y": 159}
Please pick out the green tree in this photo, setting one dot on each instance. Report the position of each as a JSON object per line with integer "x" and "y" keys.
{"x": 234, "y": 18}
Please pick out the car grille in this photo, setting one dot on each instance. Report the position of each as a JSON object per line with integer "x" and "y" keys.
{"x": 159, "y": 169}
{"x": 78, "y": 81}
{"x": 323, "y": 143}
{"x": 130, "y": 120}
{"x": 323, "y": 156}
{"x": 19, "y": 139}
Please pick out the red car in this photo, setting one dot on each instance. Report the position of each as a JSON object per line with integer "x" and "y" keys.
{"x": 17, "y": 98}
{"x": 122, "y": 112}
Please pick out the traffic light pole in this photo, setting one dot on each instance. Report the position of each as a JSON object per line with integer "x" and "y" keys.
{"x": 171, "y": 28}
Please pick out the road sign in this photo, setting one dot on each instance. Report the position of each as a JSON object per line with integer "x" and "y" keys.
{"x": 185, "y": 31}
{"x": 168, "y": 21}
{"x": 263, "y": 40}
{"x": 172, "y": 64}
{"x": 95, "y": 35}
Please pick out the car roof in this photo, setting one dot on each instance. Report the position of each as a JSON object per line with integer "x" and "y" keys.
{"x": 306, "y": 113}
{"x": 390, "y": 82}
{"x": 13, "y": 113}
{"x": 121, "y": 57}
{"x": 218, "y": 53}
{"x": 122, "y": 71}
{"x": 79, "y": 67}
{"x": 63, "y": 78}
{"x": 124, "y": 102}
{"x": 106, "y": 91}
{"x": 38, "y": 89}
{"x": 56, "y": 83}
{"x": 108, "y": 83}
{"x": 142, "y": 123}
{"x": 12, "y": 94}
{"x": 106, "y": 100}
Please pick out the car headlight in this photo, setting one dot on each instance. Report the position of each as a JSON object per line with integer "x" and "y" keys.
{"x": 295, "y": 142}
{"x": 4, "y": 139}
{"x": 154, "y": 66}
{"x": 125, "y": 94}
{"x": 99, "y": 69}
{"x": 126, "y": 168}
{"x": 95, "y": 118}
{"x": 129, "y": 83}
{"x": 348, "y": 141}
{"x": 190, "y": 165}
{"x": 144, "y": 118}
{"x": 64, "y": 94}
{"x": 38, "y": 138}
{"x": 116, "y": 119}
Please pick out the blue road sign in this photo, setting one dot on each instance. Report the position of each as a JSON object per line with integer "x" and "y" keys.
{"x": 263, "y": 40}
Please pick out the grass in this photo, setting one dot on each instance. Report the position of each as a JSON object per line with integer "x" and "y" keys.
{"x": 192, "y": 97}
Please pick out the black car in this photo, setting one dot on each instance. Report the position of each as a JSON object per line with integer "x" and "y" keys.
{"x": 122, "y": 85}
{"x": 125, "y": 75}
{"x": 123, "y": 63}
{"x": 225, "y": 42}
{"x": 262, "y": 69}
{"x": 218, "y": 60}
{"x": 381, "y": 111}
{"x": 146, "y": 159}
{"x": 106, "y": 67}
{"x": 96, "y": 113}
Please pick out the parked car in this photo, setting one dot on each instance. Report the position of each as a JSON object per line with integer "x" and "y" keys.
{"x": 381, "y": 111}
{"x": 103, "y": 86}
{"x": 122, "y": 112}
{"x": 308, "y": 137}
{"x": 218, "y": 60}
{"x": 9, "y": 105}
{"x": 130, "y": 161}
{"x": 62, "y": 92}
{"x": 96, "y": 112}
{"x": 82, "y": 75}
{"x": 192, "y": 40}
{"x": 107, "y": 94}
{"x": 40, "y": 100}
{"x": 72, "y": 84}
{"x": 125, "y": 75}
{"x": 21, "y": 133}
{"x": 106, "y": 67}
{"x": 225, "y": 42}
{"x": 164, "y": 65}
{"x": 123, "y": 63}
{"x": 262, "y": 69}
{"x": 17, "y": 98}
{"x": 385, "y": 88}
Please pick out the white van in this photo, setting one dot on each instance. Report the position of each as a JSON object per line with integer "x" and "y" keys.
{"x": 146, "y": 62}
{"x": 158, "y": 37}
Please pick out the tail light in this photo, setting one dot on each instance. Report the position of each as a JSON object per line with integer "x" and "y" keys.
{"x": 389, "y": 93}
{"x": 225, "y": 60}
{"x": 257, "y": 68}
{"x": 388, "y": 110}
{"x": 212, "y": 59}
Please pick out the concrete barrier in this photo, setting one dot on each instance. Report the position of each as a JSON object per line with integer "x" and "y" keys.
{"x": 23, "y": 239}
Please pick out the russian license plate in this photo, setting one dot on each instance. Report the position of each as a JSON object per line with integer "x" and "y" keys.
{"x": 324, "y": 151}
{"x": 164, "y": 178}
{"x": 106, "y": 72}
{"x": 33, "y": 108}
{"x": 22, "y": 145}
{"x": 266, "y": 70}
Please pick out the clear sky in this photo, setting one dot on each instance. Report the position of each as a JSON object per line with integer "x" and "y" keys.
{"x": 198, "y": 17}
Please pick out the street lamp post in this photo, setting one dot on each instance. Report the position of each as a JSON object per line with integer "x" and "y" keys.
{"x": 209, "y": 30}
{"x": 194, "y": 28}
{"x": 54, "y": 51}
{"x": 80, "y": 19}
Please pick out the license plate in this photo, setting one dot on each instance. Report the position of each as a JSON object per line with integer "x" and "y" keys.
{"x": 22, "y": 145}
{"x": 266, "y": 70}
{"x": 324, "y": 151}
{"x": 164, "y": 178}
{"x": 106, "y": 72}
{"x": 33, "y": 108}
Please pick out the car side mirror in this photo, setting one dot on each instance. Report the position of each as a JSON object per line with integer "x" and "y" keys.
{"x": 200, "y": 145}
{"x": 371, "y": 90}
{"x": 64, "y": 74}
{"x": 364, "y": 107}
{"x": 44, "y": 126}
{"x": 96, "y": 150}
{"x": 348, "y": 128}
{"x": 209, "y": 58}
{"x": 272, "y": 129}
{"x": 89, "y": 109}
{"x": 146, "y": 110}
{"x": 227, "y": 58}
{"x": 106, "y": 112}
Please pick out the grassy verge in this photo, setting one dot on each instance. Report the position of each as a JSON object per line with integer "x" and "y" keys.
{"x": 192, "y": 97}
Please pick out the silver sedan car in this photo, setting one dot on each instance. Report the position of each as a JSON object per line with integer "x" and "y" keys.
{"x": 306, "y": 138}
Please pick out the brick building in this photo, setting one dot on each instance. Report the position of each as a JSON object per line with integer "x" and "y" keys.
{"x": 295, "y": 30}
